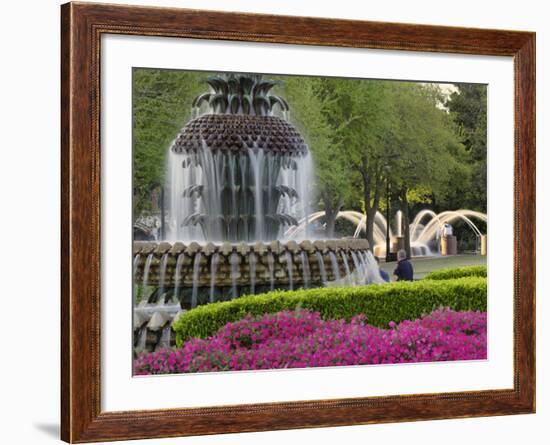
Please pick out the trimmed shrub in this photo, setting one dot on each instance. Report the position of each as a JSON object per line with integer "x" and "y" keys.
{"x": 458, "y": 272}
{"x": 379, "y": 303}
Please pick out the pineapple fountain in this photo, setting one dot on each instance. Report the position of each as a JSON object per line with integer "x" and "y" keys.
{"x": 239, "y": 176}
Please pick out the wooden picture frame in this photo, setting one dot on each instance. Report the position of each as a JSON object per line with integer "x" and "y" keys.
{"x": 82, "y": 26}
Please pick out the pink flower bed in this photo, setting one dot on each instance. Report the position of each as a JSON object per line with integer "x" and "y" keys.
{"x": 302, "y": 339}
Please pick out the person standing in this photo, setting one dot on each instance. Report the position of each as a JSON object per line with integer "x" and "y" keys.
{"x": 404, "y": 270}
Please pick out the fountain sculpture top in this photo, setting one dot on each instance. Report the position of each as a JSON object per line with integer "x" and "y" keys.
{"x": 240, "y": 118}
{"x": 241, "y": 94}
{"x": 245, "y": 170}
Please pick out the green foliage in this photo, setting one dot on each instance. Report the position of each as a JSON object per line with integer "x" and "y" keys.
{"x": 468, "y": 108}
{"x": 363, "y": 131}
{"x": 458, "y": 272}
{"x": 426, "y": 148}
{"x": 421, "y": 195}
{"x": 312, "y": 111}
{"x": 380, "y": 303}
{"x": 161, "y": 106}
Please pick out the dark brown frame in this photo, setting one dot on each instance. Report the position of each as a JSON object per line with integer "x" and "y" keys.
{"x": 81, "y": 28}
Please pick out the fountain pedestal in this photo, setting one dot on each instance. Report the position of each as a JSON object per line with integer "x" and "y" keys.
{"x": 483, "y": 245}
{"x": 448, "y": 245}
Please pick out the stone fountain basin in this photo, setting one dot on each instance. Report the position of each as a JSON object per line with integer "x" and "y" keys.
{"x": 233, "y": 264}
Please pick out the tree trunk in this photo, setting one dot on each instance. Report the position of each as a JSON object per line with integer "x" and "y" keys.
{"x": 375, "y": 202}
{"x": 331, "y": 212}
{"x": 330, "y": 221}
{"x": 371, "y": 207}
{"x": 371, "y": 214}
{"x": 369, "y": 227}
{"x": 406, "y": 228}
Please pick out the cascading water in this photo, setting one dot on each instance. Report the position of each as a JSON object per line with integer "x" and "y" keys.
{"x": 137, "y": 259}
{"x": 142, "y": 339}
{"x": 252, "y": 270}
{"x": 135, "y": 264}
{"x": 146, "y": 270}
{"x": 165, "y": 336}
{"x": 305, "y": 269}
{"x": 196, "y": 270}
{"x": 399, "y": 222}
{"x": 177, "y": 281}
{"x": 372, "y": 271}
{"x": 335, "y": 266}
{"x": 213, "y": 270}
{"x": 358, "y": 268}
{"x": 234, "y": 273}
{"x": 322, "y": 269}
{"x": 346, "y": 267}
{"x": 245, "y": 196}
{"x": 162, "y": 276}
{"x": 289, "y": 263}
{"x": 270, "y": 267}
{"x": 257, "y": 164}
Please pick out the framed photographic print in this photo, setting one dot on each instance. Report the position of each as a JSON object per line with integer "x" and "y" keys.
{"x": 279, "y": 222}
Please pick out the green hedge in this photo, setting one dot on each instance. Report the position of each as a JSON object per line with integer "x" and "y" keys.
{"x": 458, "y": 272}
{"x": 380, "y": 303}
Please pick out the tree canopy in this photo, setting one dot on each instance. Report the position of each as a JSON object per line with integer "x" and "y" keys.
{"x": 468, "y": 107}
{"x": 427, "y": 145}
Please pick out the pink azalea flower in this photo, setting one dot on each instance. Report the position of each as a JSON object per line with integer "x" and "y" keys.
{"x": 298, "y": 339}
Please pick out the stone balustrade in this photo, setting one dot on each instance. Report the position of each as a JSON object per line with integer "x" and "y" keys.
{"x": 224, "y": 265}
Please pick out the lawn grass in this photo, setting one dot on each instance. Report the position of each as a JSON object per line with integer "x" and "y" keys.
{"x": 424, "y": 265}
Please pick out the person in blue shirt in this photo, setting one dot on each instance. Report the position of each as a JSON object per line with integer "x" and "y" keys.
{"x": 404, "y": 270}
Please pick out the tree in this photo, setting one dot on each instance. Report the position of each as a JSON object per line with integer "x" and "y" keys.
{"x": 311, "y": 108}
{"x": 366, "y": 134}
{"x": 468, "y": 108}
{"x": 161, "y": 106}
{"x": 364, "y": 130}
{"x": 426, "y": 145}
